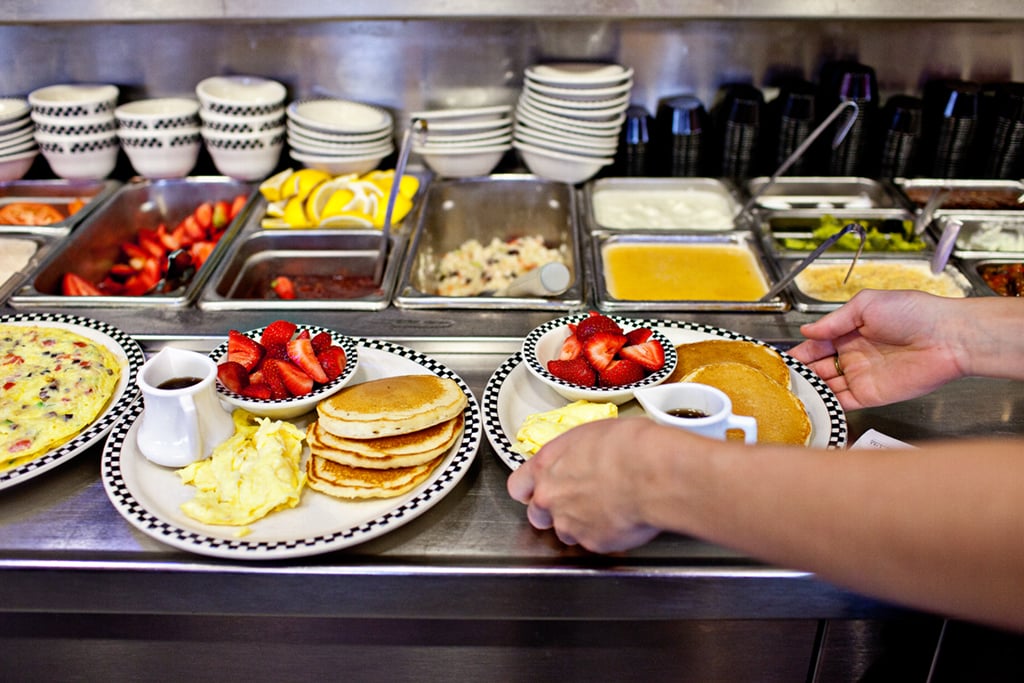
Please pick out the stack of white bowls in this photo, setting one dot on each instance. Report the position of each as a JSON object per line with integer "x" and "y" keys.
{"x": 461, "y": 143}
{"x": 76, "y": 130}
{"x": 339, "y": 136}
{"x": 242, "y": 124}
{"x": 569, "y": 116}
{"x": 160, "y": 135}
{"x": 18, "y": 147}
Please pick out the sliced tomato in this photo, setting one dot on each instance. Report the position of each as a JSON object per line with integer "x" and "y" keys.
{"x": 30, "y": 213}
{"x": 237, "y": 205}
{"x": 76, "y": 285}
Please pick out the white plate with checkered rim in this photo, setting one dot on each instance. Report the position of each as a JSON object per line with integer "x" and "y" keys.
{"x": 512, "y": 393}
{"x": 131, "y": 358}
{"x": 149, "y": 496}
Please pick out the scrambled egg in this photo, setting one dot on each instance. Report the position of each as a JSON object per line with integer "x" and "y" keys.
{"x": 539, "y": 428}
{"x": 255, "y": 472}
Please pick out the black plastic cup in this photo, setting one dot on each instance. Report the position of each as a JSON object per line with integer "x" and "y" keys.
{"x": 636, "y": 143}
{"x": 899, "y": 136}
{"x": 793, "y": 116}
{"x": 848, "y": 81}
{"x": 950, "y": 126}
{"x": 1005, "y": 149}
{"x": 738, "y": 117}
{"x": 682, "y": 133}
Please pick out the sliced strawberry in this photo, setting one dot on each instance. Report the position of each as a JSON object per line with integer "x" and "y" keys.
{"x": 283, "y": 287}
{"x": 600, "y": 348}
{"x": 295, "y": 380}
{"x": 620, "y": 372}
{"x": 321, "y": 341}
{"x": 256, "y": 390}
{"x": 574, "y": 371}
{"x": 571, "y": 348}
{"x": 237, "y": 205}
{"x": 304, "y": 334}
{"x": 649, "y": 354}
{"x": 278, "y": 332}
{"x": 332, "y": 360}
{"x": 273, "y": 378}
{"x": 596, "y": 323}
{"x": 244, "y": 351}
{"x": 638, "y": 336}
{"x": 233, "y": 375}
{"x": 300, "y": 351}
{"x": 204, "y": 215}
{"x": 76, "y": 285}
{"x": 278, "y": 351}
{"x": 220, "y": 215}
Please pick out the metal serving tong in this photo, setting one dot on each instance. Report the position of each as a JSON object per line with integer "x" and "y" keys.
{"x": 417, "y": 127}
{"x": 802, "y": 149}
{"x": 791, "y": 275}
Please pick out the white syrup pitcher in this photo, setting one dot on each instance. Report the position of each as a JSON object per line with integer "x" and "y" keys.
{"x": 183, "y": 420}
{"x": 700, "y": 408}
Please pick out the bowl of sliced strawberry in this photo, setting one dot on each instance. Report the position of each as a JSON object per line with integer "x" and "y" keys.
{"x": 284, "y": 369}
{"x": 596, "y": 357}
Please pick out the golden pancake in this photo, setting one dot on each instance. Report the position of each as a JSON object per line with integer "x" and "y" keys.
{"x": 342, "y": 481}
{"x": 385, "y": 452}
{"x": 781, "y": 416}
{"x": 53, "y": 384}
{"x": 764, "y": 358}
{"x": 390, "y": 406}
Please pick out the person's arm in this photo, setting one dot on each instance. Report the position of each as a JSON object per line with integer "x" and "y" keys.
{"x": 897, "y": 345}
{"x": 940, "y": 528}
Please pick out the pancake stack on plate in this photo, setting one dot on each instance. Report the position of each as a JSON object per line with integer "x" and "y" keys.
{"x": 382, "y": 438}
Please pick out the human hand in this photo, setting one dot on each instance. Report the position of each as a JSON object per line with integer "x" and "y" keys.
{"x": 891, "y": 346}
{"x": 584, "y": 485}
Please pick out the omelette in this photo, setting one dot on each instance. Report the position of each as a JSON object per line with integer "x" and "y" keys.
{"x": 53, "y": 384}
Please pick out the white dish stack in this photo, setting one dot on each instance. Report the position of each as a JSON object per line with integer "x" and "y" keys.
{"x": 242, "y": 124}
{"x": 75, "y": 129}
{"x": 569, "y": 116}
{"x": 462, "y": 143}
{"x": 18, "y": 148}
{"x": 339, "y": 136}
{"x": 160, "y": 135}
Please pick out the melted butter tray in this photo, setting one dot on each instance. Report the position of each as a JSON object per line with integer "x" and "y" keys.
{"x": 740, "y": 244}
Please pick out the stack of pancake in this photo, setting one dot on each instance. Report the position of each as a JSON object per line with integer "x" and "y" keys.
{"x": 382, "y": 438}
{"x": 757, "y": 380}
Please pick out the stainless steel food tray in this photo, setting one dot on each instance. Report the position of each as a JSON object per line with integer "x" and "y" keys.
{"x": 95, "y": 245}
{"x": 599, "y": 240}
{"x": 823, "y": 192}
{"x": 242, "y": 278}
{"x": 971, "y": 268}
{"x": 504, "y": 206}
{"x": 1006, "y": 193}
{"x": 974, "y": 223}
{"x": 775, "y": 226}
{"x": 58, "y": 193}
{"x": 44, "y": 244}
{"x": 723, "y": 189}
{"x": 805, "y": 303}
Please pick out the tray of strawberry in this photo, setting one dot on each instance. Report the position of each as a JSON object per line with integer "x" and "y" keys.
{"x": 153, "y": 243}
{"x": 284, "y": 369}
{"x": 596, "y": 357}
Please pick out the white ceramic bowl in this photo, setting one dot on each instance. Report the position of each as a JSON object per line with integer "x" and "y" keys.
{"x": 527, "y": 111}
{"x": 339, "y": 165}
{"x": 224, "y": 123}
{"x": 544, "y": 343}
{"x": 72, "y": 126}
{"x": 240, "y": 95}
{"x": 19, "y": 148}
{"x": 13, "y": 125}
{"x": 579, "y": 74}
{"x": 602, "y": 115}
{"x": 572, "y": 145}
{"x": 559, "y": 166}
{"x": 18, "y": 137}
{"x": 457, "y": 145}
{"x": 15, "y": 166}
{"x": 464, "y": 115}
{"x": 304, "y": 133}
{"x": 332, "y": 115}
{"x": 287, "y": 408}
{"x": 355, "y": 149}
{"x": 583, "y": 93}
{"x": 167, "y": 153}
{"x": 249, "y": 157}
{"x": 91, "y": 157}
{"x": 74, "y": 100}
{"x": 440, "y": 138}
{"x": 13, "y": 108}
{"x": 463, "y": 163}
{"x": 467, "y": 127}
{"x": 578, "y": 107}
{"x": 158, "y": 113}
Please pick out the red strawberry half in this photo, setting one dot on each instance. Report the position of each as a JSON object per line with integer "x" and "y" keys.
{"x": 332, "y": 360}
{"x": 596, "y": 323}
{"x": 300, "y": 352}
{"x": 600, "y": 348}
{"x": 649, "y": 354}
{"x": 574, "y": 371}
{"x": 243, "y": 350}
{"x": 233, "y": 375}
{"x": 278, "y": 332}
{"x": 620, "y": 372}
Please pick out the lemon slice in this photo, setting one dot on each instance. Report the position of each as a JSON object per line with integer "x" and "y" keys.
{"x": 346, "y": 220}
{"x": 302, "y": 182}
{"x": 274, "y": 224}
{"x": 316, "y": 203}
{"x": 295, "y": 213}
{"x": 403, "y": 205}
{"x": 340, "y": 202}
{"x": 276, "y": 209}
{"x": 271, "y": 187}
